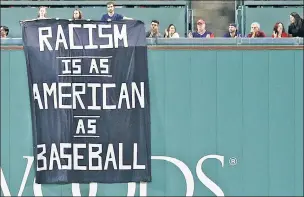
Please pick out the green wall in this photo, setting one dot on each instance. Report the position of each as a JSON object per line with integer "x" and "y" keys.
{"x": 11, "y": 16}
{"x": 242, "y": 104}
{"x": 268, "y": 16}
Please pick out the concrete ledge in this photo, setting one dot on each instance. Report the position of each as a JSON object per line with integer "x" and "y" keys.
{"x": 273, "y": 3}
{"x": 200, "y": 42}
{"x": 176, "y": 47}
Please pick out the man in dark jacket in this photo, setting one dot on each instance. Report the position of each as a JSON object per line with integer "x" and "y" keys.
{"x": 232, "y": 31}
{"x": 154, "y": 32}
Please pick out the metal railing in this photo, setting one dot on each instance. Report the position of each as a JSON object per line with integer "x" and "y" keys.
{"x": 268, "y": 3}
{"x": 274, "y": 3}
{"x": 199, "y": 41}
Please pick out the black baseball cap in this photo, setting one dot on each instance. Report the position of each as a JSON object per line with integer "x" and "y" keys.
{"x": 232, "y": 24}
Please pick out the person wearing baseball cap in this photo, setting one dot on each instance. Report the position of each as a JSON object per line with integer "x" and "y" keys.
{"x": 232, "y": 31}
{"x": 201, "y": 31}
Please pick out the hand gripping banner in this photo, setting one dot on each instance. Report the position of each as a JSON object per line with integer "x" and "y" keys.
{"x": 89, "y": 93}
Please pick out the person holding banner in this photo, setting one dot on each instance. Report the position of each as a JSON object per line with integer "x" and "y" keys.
{"x": 77, "y": 15}
{"x": 111, "y": 15}
{"x": 90, "y": 105}
{"x": 42, "y": 13}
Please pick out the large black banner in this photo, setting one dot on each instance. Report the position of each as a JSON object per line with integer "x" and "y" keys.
{"x": 90, "y": 104}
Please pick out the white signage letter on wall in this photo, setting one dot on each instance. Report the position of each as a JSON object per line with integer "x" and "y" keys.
{"x": 204, "y": 179}
{"x": 4, "y": 186}
{"x": 182, "y": 167}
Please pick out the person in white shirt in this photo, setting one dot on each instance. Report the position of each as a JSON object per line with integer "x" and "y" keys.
{"x": 170, "y": 32}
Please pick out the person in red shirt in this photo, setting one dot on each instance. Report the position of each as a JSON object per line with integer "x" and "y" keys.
{"x": 279, "y": 31}
{"x": 256, "y": 31}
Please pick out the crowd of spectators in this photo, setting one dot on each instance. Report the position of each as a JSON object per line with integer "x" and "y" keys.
{"x": 295, "y": 28}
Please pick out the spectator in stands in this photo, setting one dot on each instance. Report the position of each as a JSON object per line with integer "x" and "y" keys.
{"x": 77, "y": 14}
{"x": 279, "y": 31}
{"x": 42, "y": 13}
{"x": 4, "y": 31}
{"x": 170, "y": 32}
{"x": 201, "y": 31}
{"x": 296, "y": 27}
{"x": 154, "y": 31}
{"x": 111, "y": 15}
{"x": 256, "y": 31}
{"x": 232, "y": 31}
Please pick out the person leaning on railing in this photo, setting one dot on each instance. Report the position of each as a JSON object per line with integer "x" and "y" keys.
{"x": 296, "y": 27}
